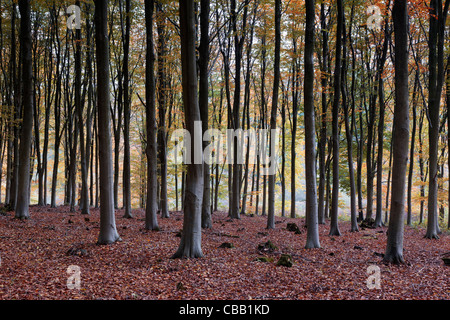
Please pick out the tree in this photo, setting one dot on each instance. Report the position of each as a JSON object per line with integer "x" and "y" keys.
{"x": 334, "y": 228}
{"x": 394, "y": 246}
{"x": 238, "y": 47}
{"x": 312, "y": 236}
{"x": 203, "y": 105}
{"x": 108, "y": 233}
{"x": 162, "y": 109}
{"x": 349, "y": 127}
{"x": 151, "y": 220}
{"x": 438, "y": 17}
{"x": 84, "y": 203}
{"x": 126, "y": 113}
{"x": 324, "y": 65}
{"x": 23, "y": 191}
{"x": 273, "y": 116}
{"x": 190, "y": 243}
{"x": 381, "y": 125}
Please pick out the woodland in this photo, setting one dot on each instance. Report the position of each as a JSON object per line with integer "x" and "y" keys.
{"x": 355, "y": 95}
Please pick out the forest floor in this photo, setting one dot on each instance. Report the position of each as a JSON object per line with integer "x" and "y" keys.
{"x": 36, "y": 253}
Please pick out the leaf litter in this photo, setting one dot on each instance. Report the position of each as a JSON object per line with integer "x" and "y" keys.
{"x": 35, "y": 255}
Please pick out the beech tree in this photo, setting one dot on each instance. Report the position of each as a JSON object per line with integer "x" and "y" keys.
{"x": 23, "y": 191}
{"x": 273, "y": 115}
{"x": 334, "y": 228}
{"x": 312, "y": 236}
{"x": 190, "y": 243}
{"x": 203, "y": 64}
{"x": 394, "y": 246}
{"x": 151, "y": 219}
{"x": 438, "y": 16}
{"x": 108, "y": 233}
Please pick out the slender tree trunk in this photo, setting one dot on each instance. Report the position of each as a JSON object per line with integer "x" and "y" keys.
{"x": 323, "y": 128}
{"x": 246, "y": 116}
{"x": 84, "y": 197}
{"x": 23, "y": 192}
{"x": 394, "y": 246}
{"x": 151, "y": 216}
{"x": 108, "y": 232}
{"x": 436, "y": 78}
{"x": 238, "y": 46}
{"x": 162, "y": 104}
{"x": 295, "y": 87}
{"x": 379, "y": 198}
{"x": 203, "y": 105}
{"x": 312, "y": 236}
{"x": 359, "y": 161}
{"x": 386, "y": 209}
{"x": 349, "y": 135}
{"x": 190, "y": 244}
{"x": 57, "y": 115}
{"x": 273, "y": 116}
{"x": 411, "y": 154}
{"x": 16, "y": 114}
{"x": 126, "y": 115}
{"x": 334, "y": 227}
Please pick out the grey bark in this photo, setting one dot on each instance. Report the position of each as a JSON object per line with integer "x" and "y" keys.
{"x": 108, "y": 232}
{"x": 312, "y": 236}
{"x": 23, "y": 191}
{"x": 84, "y": 196}
{"x": 190, "y": 243}
{"x": 438, "y": 17}
{"x": 126, "y": 115}
{"x": 151, "y": 218}
{"x": 394, "y": 246}
{"x": 334, "y": 227}
{"x": 323, "y": 128}
{"x": 162, "y": 104}
{"x": 203, "y": 105}
{"x": 273, "y": 116}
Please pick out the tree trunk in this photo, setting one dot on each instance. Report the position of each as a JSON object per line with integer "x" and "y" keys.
{"x": 312, "y": 236}
{"x": 151, "y": 217}
{"x": 57, "y": 115}
{"x": 126, "y": 115}
{"x": 108, "y": 233}
{"x": 162, "y": 104}
{"x": 394, "y": 247}
{"x": 203, "y": 105}
{"x": 323, "y": 128}
{"x": 436, "y": 79}
{"x": 84, "y": 196}
{"x": 349, "y": 133}
{"x": 334, "y": 227}
{"x": 411, "y": 154}
{"x": 273, "y": 116}
{"x": 16, "y": 114}
{"x": 295, "y": 91}
{"x": 23, "y": 191}
{"x": 190, "y": 244}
